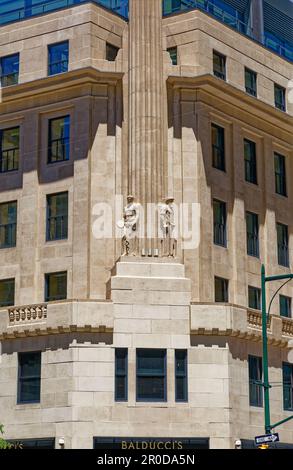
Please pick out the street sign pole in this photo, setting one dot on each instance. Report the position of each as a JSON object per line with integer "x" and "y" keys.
{"x": 266, "y": 384}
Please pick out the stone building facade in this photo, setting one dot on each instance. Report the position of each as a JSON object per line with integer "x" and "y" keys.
{"x": 142, "y": 124}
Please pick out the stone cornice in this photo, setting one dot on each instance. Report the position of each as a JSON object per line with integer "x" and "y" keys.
{"x": 212, "y": 87}
{"x": 74, "y": 78}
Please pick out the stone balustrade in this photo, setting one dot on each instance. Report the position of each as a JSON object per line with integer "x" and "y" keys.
{"x": 28, "y": 313}
{"x": 287, "y": 326}
{"x": 254, "y": 319}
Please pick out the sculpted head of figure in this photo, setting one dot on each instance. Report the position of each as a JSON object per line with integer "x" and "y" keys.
{"x": 169, "y": 200}
{"x": 130, "y": 198}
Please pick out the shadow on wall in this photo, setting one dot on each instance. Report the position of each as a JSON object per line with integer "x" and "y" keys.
{"x": 55, "y": 342}
{"x": 88, "y": 109}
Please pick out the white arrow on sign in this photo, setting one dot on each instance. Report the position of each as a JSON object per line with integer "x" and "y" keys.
{"x": 267, "y": 438}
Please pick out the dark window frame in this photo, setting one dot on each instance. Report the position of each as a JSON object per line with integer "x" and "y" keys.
{"x": 218, "y": 148}
{"x": 13, "y": 74}
{"x": 123, "y": 375}
{"x": 250, "y": 161}
{"x": 62, "y": 217}
{"x": 224, "y": 289}
{"x": 163, "y": 375}
{"x": 220, "y": 228}
{"x": 280, "y": 174}
{"x": 181, "y": 375}
{"x": 64, "y": 142}
{"x": 255, "y": 383}
{"x": 21, "y": 379}
{"x": 59, "y": 62}
{"x": 255, "y": 291}
{"x": 283, "y": 245}
{"x": 9, "y": 229}
{"x": 288, "y": 303}
{"x": 173, "y": 53}
{"x": 287, "y": 387}
{"x": 5, "y": 159}
{"x": 111, "y": 52}
{"x": 55, "y": 298}
{"x": 220, "y": 70}
{"x": 8, "y": 303}
{"x": 251, "y": 84}
{"x": 280, "y": 104}
{"x": 252, "y": 238}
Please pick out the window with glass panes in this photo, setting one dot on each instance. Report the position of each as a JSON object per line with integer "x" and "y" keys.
{"x": 219, "y": 65}
{"x": 288, "y": 386}
{"x": 7, "y": 292}
{"x": 280, "y": 174}
{"x": 218, "y": 147}
{"x": 254, "y": 298}
{"x": 111, "y": 52}
{"x": 250, "y": 82}
{"x": 121, "y": 374}
{"x": 181, "y": 385}
{"x": 29, "y": 377}
{"x": 59, "y": 139}
{"x": 9, "y": 149}
{"x": 9, "y": 70}
{"x": 8, "y": 224}
{"x": 250, "y": 161}
{"x": 173, "y": 53}
{"x": 57, "y": 216}
{"x": 221, "y": 289}
{"x": 285, "y": 306}
{"x": 58, "y": 55}
{"x": 55, "y": 286}
{"x": 252, "y": 234}
{"x": 151, "y": 375}
{"x": 280, "y": 97}
{"x": 255, "y": 380}
{"x": 283, "y": 244}
{"x": 220, "y": 223}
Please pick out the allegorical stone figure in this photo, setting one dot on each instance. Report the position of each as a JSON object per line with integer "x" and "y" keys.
{"x": 167, "y": 227}
{"x": 130, "y": 227}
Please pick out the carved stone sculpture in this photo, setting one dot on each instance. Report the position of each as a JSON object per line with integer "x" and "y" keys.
{"x": 130, "y": 227}
{"x": 168, "y": 226}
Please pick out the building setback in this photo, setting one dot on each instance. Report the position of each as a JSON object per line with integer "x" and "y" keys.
{"x": 189, "y": 101}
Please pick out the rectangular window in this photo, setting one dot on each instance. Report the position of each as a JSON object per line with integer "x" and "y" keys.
{"x": 181, "y": 386}
{"x": 8, "y": 224}
{"x": 250, "y": 82}
{"x": 151, "y": 375}
{"x": 121, "y": 374}
{"x": 59, "y": 139}
{"x": 219, "y": 65}
{"x": 255, "y": 380}
{"x": 254, "y": 298}
{"x": 252, "y": 234}
{"x": 288, "y": 386}
{"x": 221, "y": 290}
{"x": 285, "y": 306}
{"x": 283, "y": 245}
{"x": 173, "y": 55}
{"x": 55, "y": 286}
{"x": 220, "y": 223}
{"x": 7, "y": 292}
{"x": 9, "y": 70}
{"x": 9, "y": 149}
{"x": 280, "y": 97}
{"x": 58, "y": 55}
{"x": 280, "y": 175}
{"x": 218, "y": 147}
{"x": 57, "y": 216}
{"x": 250, "y": 161}
{"x": 29, "y": 377}
{"x": 111, "y": 52}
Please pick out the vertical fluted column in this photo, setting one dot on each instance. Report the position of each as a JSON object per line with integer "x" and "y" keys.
{"x": 145, "y": 100}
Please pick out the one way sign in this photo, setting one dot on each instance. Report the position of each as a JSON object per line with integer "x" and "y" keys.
{"x": 267, "y": 438}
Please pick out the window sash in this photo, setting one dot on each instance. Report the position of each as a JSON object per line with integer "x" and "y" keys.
{"x": 218, "y": 147}
{"x": 219, "y": 65}
{"x": 9, "y": 70}
{"x": 285, "y": 306}
{"x": 57, "y": 216}
{"x": 59, "y": 139}
{"x": 7, "y": 292}
{"x": 29, "y": 383}
{"x": 255, "y": 375}
{"x": 58, "y": 58}
{"x": 9, "y": 149}
{"x": 56, "y": 286}
{"x": 221, "y": 290}
{"x": 251, "y": 82}
{"x": 287, "y": 386}
{"x": 283, "y": 245}
{"x": 252, "y": 233}
{"x": 121, "y": 375}
{"x": 280, "y": 98}
{"x": 181, "y": 366}
{"x": 151, "y": 383}
{"x": 280, "y": 175}
{"x": 220, "y": 223}
{"x": 250, "y": 161}
{"x": 254, "y": 298}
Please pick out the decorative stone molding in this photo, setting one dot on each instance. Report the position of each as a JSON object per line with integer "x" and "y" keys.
{"x": 287, "y": 326}
{"x": 27, "y": 314}
{"x": 254, "y": 319}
